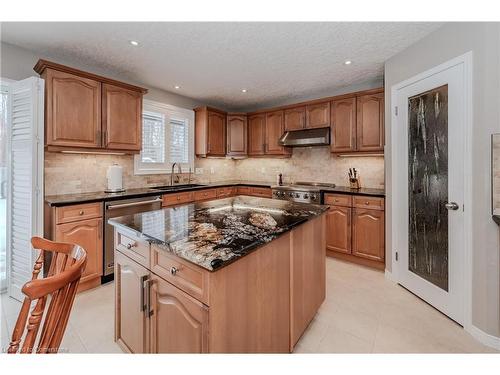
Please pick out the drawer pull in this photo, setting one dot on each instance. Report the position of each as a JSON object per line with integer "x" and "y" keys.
{"x": 173, "y": 271}
{"x": 130, "y": 245}
{"x": 81, "y": 212}
{"x": 367, "y": 203}
{"x": 178, "y": 198}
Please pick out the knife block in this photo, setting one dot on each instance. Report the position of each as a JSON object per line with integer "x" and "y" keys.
{"x": 354, "y": 183}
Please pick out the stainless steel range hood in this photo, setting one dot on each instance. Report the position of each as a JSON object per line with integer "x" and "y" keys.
{"x": 306, "y": 137}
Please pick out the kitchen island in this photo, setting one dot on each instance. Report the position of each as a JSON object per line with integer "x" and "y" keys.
{"x": 240, "y": 274}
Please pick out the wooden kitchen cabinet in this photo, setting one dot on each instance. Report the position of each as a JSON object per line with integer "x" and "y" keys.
{"x": 174, "y": 199}
{"x": 338, "y": 236}
{"x": 318, "y": 115}
{"x": 205, "y": 195}
{"x": 72, "y": 110}
{"x": 87, "y": 112}
{"x": 343, "y": 125}
{"x": 295, "y": 118}
{"x": 121, "y": 118}
{"x": 236, "y": 135}
{"x": 368, "y": 239}
{"x": 370, "y": 122}
{"x": 210, "y": 132}
{"x": 131, "y": 317}
{"x": 256, "y": 135}
{"x": 179, "y": 323}
{"x": 274, "y": 130}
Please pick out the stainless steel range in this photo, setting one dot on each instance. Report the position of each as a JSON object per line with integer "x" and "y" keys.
{"x": 305, "y": 192}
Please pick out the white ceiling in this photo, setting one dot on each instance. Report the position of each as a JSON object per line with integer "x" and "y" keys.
{"x": 212, "y": 62}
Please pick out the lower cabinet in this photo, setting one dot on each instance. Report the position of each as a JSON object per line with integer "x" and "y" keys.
{"x": 338, "y": 222}
{"x": 178, "y": 322}
{"x": 368, "y": 234}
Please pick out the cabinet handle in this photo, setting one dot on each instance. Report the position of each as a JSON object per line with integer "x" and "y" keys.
{"x": 130, "y": 245}
{"x": 367, "y": 203}
{"x": 144, "y": 280}
{"x": 173, "y": 270}
{"x": 100, "y": 229}
{"x": 81, "y": 212}
{"x": 149, "y": 310}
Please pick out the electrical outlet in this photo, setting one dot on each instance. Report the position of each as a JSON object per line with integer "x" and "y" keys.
{"x": 198, "y": 171}
{"x": 212, "y": 170}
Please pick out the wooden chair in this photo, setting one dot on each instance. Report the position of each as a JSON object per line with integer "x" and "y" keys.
{"x": 59, "y": 287}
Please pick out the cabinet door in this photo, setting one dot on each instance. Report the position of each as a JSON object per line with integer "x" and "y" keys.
{"x": 236, "y": 135}
{"x": 370, "y": 122}
{"x": 344, "y": 125}
{"x": 88, "y": 235}
{"x": 179, "y": 323}
{"x": 216, "y": 136}
{"x": 256, "y": 131}
{"x": 72, "y": 110}
{"x": 368, "y": 234}
{"x": 295, "y": 118}
{"x": 131, "y": 320}
{"x": 274, "y": 130}
{"x": 121, "y": 118}
{"x": 338, "y": 233}
{"x": 318, "y": 115}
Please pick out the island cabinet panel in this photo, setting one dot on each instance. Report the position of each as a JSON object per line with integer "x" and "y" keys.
{"x": 343, "y": 125}
{"x": 307, "y": 278}
{"x": 210, "y": 132}
{"x": 178, "y": 322}
{"x": 318, "y": 115}
{"x": 237, "y": 135}
{"x": 295, "y": 118}
{"x": 274, "y": 130}
{"x": 368, "y": 234}
{"x": 256, "y": 135}
{"x": 121, "y": 118}
{"x": 72, "y": 110}
{"x": 250, "y": 302}
{"x": 131, "y": 317}
{"x": 132, "y": 247}
{"x": 339, "y": 229}
{"x": 370, "y": 123}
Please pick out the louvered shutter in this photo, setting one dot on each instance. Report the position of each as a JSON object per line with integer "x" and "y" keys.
{"x": 179, "y": 141}
{"x": 25, "y": 191}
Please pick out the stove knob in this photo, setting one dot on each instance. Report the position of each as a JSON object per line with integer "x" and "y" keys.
{"x": 313, "y": 197}
{"x": 306, "y": 196}
{"x": 290, "y": 195}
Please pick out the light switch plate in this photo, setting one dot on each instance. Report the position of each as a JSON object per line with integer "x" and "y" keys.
{"x": 198, "y": 171}
{"x": 212, "y": 170}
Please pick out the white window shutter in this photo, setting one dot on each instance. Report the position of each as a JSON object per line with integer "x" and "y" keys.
{"x": 25, "y": 190}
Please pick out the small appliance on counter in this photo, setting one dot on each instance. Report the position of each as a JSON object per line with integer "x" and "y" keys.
{"x": 114, "y": 176}
{"x": 354, "y": 179}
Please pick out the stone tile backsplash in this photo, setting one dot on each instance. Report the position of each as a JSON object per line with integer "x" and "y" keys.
{"x": 79, "y": 173}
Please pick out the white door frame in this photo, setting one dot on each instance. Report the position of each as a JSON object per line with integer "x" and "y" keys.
{"x": 466, "y": 60}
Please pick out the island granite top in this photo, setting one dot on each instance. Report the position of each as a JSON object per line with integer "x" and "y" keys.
{"x": 215, "y": 233}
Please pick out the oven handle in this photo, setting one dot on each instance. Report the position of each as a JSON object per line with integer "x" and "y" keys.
{"x": 132, "y": 204}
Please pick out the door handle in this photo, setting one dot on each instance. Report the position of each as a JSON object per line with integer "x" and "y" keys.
{"x": 144, "y": 281}
{"x": 451, "y": 206}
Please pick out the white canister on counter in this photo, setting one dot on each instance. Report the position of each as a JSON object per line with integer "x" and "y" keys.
{"x": 114, "y": 176}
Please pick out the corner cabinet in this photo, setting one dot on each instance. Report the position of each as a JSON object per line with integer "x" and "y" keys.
{"x": 210, "y": 132}
{"x": 85, "y": 112}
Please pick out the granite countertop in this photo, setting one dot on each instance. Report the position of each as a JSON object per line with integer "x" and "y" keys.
{"x": 215, "y": 233}
{"x": 348, "y": 190}
{"x": 99, "y": 196}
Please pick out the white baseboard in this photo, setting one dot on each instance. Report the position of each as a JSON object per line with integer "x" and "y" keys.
{"x": 388, "y": 276}
{"x": 483, "y": 337}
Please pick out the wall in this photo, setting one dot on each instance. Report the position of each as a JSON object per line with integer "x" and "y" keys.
{"x": 450, "y": 41}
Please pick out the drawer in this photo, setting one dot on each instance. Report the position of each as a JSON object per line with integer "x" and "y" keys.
{"x": 202, "y": 195}
{"x": 77, "y": 212}
{"x": 177, "y": 198}
{"x": 343, "y": 200}
{"x": 373, "y": 203}
{"x": 132, "y": 247}
{"x": 225, "y": 192}
{"x": 186, "y": 276}
{"x": 243, "y": 190}
{"x": 261, "y": 192}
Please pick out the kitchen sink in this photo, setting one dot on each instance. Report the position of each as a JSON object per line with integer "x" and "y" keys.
{"x": 176, "y": 187}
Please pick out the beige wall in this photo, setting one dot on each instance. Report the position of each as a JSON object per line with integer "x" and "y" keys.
{"x": 452, "y": 40}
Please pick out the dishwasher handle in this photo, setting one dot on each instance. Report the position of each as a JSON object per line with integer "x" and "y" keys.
{"x": 132, "y": 204}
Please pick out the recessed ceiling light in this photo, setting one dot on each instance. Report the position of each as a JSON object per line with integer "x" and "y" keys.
{"x": 134, "y": 42}
{"x": 177, "y": 87}
{"x": 347, "y": 62}
{"x": 243, "y": 90}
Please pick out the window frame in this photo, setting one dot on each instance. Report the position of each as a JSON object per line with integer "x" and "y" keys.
{"x": 169, "y": 112}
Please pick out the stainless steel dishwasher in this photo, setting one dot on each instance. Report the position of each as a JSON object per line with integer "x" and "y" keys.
{"x": 117, "y": 208}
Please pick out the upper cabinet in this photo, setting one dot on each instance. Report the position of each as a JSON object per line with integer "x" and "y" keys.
{"x": 87, "y": 111}
{"x": 358, "y": 123}
{"x": 121, "y": 112}
{"x": 318, "y": 115}
{"x": 256, "y": 135}
{"x": 236, "y": 135}
{"x": 275, "y": 128}
{"x": 295, "y": 118}
{"x": 210, "y": 132}
{"x": 370, "y": 122}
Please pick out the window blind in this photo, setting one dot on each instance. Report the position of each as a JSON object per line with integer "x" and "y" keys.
{"x": 179, "y": 141}
{"x": 153, "y": 138}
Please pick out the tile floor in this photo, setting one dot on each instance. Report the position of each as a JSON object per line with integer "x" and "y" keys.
{"x": 363, "y": 313}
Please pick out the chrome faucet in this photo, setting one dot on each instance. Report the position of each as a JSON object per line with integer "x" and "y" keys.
{"x": 177, "y": 177}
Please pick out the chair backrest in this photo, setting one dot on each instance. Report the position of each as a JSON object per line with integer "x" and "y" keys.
{"x": 59, "y": 288}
